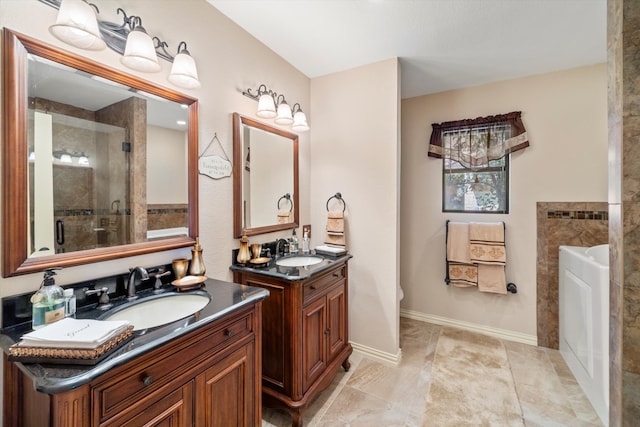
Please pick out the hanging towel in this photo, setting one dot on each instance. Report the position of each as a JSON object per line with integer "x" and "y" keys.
{"x": 462, "y": 272}
{"x": 463, "y": 275}
{"x": 335, "y": 229}
{"x": 491, "y": 278}
{"x": 458, "y": 242}
{"x": 335, "y": 222}
{"x": 486, "y": 243}
{"x": 284, "y": 216}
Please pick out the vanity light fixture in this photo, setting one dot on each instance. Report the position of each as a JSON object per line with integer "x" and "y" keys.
{"x": 78, "y": 25}
{"x": 283, "y": 114}
{"x": 299, "y": 119}
{"x": 65, "y": 156}
{"x": 183, "y": 71}
{"x": 139, "y": 52}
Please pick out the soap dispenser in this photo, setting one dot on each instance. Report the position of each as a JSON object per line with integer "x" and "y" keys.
{"x": 293, "y": 244}
{"x": 48, "y": 301}
{"x": 243, "y": 253}
{"x": 197, "y": 263}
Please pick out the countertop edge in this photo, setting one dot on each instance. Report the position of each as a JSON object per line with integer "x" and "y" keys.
{"x": 48, "y": 385}
{"x": 309, "y": 273}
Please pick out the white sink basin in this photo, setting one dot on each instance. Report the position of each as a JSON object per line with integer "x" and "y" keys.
{"x": 299, "y": 261}
{"x": 159, "y": 311}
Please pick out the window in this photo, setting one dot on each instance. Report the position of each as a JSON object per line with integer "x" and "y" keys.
{"x": 476, "y": 190}
{"x": 475, "y": 161}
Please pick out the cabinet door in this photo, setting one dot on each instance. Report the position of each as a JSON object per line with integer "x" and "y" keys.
{"x": 314, "y": 342}
{"x": 336, "y": 321}
{"x": 174, "y": 409}
{"x": 225, "y": 391}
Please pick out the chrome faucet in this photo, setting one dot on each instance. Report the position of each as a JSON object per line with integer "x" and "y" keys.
{"x": 131, "y": 281}
{"x": 278, "y": 247}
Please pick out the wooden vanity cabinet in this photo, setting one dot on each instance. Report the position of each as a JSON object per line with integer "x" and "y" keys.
{"x": 208, "y": 377}
{"x": 305, "y": 335}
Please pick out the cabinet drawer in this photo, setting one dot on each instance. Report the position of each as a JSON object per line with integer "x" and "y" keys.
{"x": 122, "y": 391}
{"x": 319, "y": 285}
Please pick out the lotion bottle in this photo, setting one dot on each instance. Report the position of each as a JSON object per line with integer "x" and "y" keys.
{"x": 305, "y": 243}
{"x": 48, "y": 301}
{"x": 197, "y": 263}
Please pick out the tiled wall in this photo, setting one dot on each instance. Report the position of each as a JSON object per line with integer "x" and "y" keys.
{"x": 623, "y": 53}
{"x": 161, "y": 216}
{"x": 562, "y": 223}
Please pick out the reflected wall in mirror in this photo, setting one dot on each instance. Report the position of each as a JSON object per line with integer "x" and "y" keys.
{"x": 265, "y": 178}
{"x": 97, "y": 164}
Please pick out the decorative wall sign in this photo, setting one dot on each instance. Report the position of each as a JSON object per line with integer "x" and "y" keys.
{"x": 215, "y": 167}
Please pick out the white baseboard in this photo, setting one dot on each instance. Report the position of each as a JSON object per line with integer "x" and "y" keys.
{"x": 381, "y": 356}
{"x": 474, "y": 327}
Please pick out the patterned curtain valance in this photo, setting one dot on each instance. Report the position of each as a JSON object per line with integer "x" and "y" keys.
{"x": 474, "y": 142}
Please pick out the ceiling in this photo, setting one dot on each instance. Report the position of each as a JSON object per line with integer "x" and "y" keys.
{"x": 441, "y": 44}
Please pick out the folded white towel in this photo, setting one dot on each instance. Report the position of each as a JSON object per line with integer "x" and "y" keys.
{"x": 75, "y": 333}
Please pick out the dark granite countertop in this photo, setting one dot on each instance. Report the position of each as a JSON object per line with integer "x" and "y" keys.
{"x": 48, "y": 378}
{"x": 293, "y": 273}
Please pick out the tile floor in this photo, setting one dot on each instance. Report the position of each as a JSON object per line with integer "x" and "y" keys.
{"x": 373, "y": 393}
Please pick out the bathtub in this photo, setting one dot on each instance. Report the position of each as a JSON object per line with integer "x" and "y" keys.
{"x": 584, "y": 320}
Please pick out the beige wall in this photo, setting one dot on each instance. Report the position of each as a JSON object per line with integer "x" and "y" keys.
{"x": 356, "y": 152}
{"x": 229, "y": 60}
{"x": 565, "y": 114}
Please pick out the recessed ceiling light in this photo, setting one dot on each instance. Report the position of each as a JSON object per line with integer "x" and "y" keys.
{"x": 181, "y": 122}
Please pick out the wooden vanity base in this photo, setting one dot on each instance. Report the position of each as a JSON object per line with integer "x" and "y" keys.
{"x": 305, "y": 335}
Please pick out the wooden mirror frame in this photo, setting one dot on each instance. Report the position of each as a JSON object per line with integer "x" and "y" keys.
{"x": 15, "y": 261}
{"x": 238, "y": 162}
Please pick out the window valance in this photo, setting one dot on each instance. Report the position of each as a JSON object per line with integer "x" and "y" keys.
{"x": 475, "y": 142}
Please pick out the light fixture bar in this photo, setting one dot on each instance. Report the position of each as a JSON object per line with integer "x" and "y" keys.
{"x": 139, "y": 50}
{"x": 115, "y": 35}
{"x": 272, "y": 105}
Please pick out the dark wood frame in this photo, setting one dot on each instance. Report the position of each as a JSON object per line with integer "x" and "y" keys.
{"x": 238, "y": 121}
{"x": 16, "y": 48}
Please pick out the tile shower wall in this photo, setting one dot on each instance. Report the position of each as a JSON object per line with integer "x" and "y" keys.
{"x": 161, "y": 216}
{"x": 562, "y": 223}
{"x": 623, "y": 41}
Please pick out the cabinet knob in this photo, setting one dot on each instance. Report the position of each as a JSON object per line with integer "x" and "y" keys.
{"x": 228, "y": 332}
{"x": 147, "y": 380}
{"x": 313, "y": 288}
{"x": 327, "y": 331}
{"x": 336, "y": 274}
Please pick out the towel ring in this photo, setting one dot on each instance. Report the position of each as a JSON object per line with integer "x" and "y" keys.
{"x": 339, "y": 197}
{"x": 287, "y": 197}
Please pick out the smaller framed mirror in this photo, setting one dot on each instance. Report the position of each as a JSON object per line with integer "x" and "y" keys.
{"x": 265, "y": 178}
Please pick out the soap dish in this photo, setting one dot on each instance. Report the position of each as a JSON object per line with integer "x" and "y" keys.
{"x": 189, "y": 282}
{"x": 260, "y": 262}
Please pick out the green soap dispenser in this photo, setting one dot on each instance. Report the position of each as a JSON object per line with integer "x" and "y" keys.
{"x": 48, "y": 301}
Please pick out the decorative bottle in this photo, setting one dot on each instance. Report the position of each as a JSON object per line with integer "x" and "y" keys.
{"x": 243, "y": 253}
{"x": 197, "y": 263}
{"x": 48, "y": 301}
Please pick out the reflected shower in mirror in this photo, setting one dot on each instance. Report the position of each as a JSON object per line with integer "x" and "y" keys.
{"x": 265, "y": 178}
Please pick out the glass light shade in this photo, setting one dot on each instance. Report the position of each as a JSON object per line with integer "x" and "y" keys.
{"x": 83, "y": 160}
{"x": 65, "y": 158}
{"x": 300, "y": 122}
{"x": 77, "y": 25}
{"x": 266, "y": 107}
{"x": 183, "y": 71}
{"x": 284, "y": 114}
{"x": 140, "y": 53}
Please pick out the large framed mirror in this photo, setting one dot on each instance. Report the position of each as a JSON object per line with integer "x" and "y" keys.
{"x": 265, "y": 178}
{"x": 97, "y": 164}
